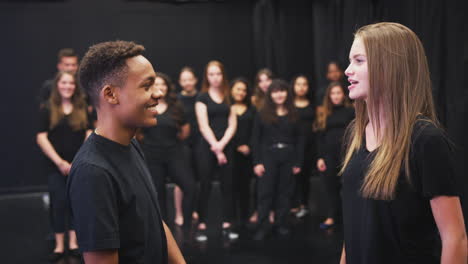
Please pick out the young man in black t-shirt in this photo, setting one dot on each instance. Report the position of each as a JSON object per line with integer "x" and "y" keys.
{"x": 113, "y": 200}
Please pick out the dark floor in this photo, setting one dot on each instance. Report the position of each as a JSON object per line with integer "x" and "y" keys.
{"x": 25, "y": 239}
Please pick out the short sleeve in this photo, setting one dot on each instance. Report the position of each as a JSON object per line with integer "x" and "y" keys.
{"x": 94, "y": 206}
{"x": 202, "y": 97}
{"x": 44, "y": 120}
{"x": 433, "y": 157}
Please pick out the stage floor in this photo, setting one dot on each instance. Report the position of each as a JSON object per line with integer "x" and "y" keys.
{"x": 25, "y": 238}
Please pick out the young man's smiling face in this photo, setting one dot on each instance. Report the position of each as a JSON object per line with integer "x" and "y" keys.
{"x": 138, "y": 96}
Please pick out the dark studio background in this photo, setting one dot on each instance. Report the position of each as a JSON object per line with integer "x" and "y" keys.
{"x": 290, "y": 37}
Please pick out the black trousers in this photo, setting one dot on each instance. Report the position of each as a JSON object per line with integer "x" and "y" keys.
{"x": 59, "y": 207}
{"x": 207, "y": 166}
{"x": 332, "y": 183}
{"x": 276, "y": 186}
{"x": 243, "y": 176}
{"x": 302, "y": 184}
{"x": 173, "y": 166}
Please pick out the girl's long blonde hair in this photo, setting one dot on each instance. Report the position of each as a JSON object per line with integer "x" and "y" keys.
{"x": 399, "y": 91}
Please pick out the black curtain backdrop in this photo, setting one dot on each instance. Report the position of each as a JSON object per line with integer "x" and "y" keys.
{"x": 290, "y": 37}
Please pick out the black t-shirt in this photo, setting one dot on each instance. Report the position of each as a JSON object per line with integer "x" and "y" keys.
{"x": 65, "y": 140}
{"x": 164, "y": 134}
{"x": 306, "y": 118}
{"x": 329, "y": 141}
{"x": 402, "y": 230}
{"x": 244, "y": 127}
{"x": 188, "y": 103}
{"x": 283, "y": 131}
{"x": 218, "y": 114}
{"x": 114, "y": 202}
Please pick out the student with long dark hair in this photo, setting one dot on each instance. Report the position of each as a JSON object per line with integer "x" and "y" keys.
{"x": 163, "y": 148}
{"x": 63, "y": 128}
{"x": 242, "y": 159}
{"x": 306, "y": 113}
{"x": 401, "y": 199}
{"x": 333, "y": 116}
{"x": 278, "y": 155}
{"x": 262, "y": 82}
{"x": 217, "y": 123}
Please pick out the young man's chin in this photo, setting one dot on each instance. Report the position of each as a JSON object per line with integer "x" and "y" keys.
{"x": 150, "y": 122}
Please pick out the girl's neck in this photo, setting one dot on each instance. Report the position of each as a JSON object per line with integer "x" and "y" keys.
{"x": 281, "y": 110}
{"x": 189, "y": 93}
{"x": 301, "y": 101}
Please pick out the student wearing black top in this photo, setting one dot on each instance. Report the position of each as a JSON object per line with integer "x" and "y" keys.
{"x": 399, "y": 190}
{"x": 113, "y": 200}
{"x": 333, "y": 116}
{"x": 217, "y": 123}
{"x": 188, "y": 97}
{"x": 67, "y": 62}
{"x": 242, "y": 146}
{"x": 63, "y": 128}
{"x": 163, "y": 148}
{"x": 278, "y": 151}
{"x": 306, "y": 114}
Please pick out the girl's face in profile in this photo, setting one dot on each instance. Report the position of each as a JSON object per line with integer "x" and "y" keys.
{"x": 214, "y": 75}
{"x": 239, "y": 92}
{"x": 66, "y": 86}
{"x": 264, "y": 82}
{"x": 301, "y": 87}
{"x": 161, "y": 86}
{"x": 357, "y": 71}
{"x": 279, "y": 97}
{"x": 336, "y": 95}
{"x": 187, "y": 81}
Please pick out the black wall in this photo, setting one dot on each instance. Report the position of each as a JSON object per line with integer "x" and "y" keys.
{"x": 290, "y": 37}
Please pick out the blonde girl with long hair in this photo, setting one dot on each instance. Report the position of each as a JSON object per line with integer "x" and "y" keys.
{"x": 400, "y": 197}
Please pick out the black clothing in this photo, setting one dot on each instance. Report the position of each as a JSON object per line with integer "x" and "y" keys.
{"x": 402, "y": 230}
{"x": 168, "y": 161}
{"x": 279, "y": 147}
{"x": 330, "y": 148}
{"x": 265, "y": 135}
{"x": 114, "y": 203}
{"x": 63, "y": 138}
{"x": 44, "y": 92}
{"x": 188, "y": 103}
{"x": 242, "y": 165}
{"x": 66, "y": 143}
{"x": 207, "y": 163}
{"x": 306, "y": 119}
{"x": 218, "y": 114}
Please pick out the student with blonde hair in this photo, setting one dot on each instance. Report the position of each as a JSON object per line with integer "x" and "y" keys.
{"x": 400, "y": 197}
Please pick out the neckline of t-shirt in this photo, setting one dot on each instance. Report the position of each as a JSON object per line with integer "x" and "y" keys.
{"x": 103, "y": 140}
{"x": 365, "y": 145}
{"x": 208, "y": 93}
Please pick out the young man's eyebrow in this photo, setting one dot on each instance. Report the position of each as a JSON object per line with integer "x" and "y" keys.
{"x": 149, "y": 79}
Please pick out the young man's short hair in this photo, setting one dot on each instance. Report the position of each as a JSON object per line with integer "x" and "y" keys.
{"x": 105, "y": 64}
{"x": 66, "y": 52}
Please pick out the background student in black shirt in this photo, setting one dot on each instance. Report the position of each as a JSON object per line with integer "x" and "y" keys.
{"x": 333, "y": 116}
{"x": 278, "y": 152}
{"x": 188, "y": 96}
{"x": 306, "y": 114}
{"x": 163, "y": 148}
{"x": 242, "y": 164}
{"x": 63, "y": 128}
{"x": 399, "y": 191}
{"x": 113, "y": 199}
{"x": 217, "y": 123}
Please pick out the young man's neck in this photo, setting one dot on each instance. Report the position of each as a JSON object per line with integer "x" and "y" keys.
{"x": 113, "y": 130}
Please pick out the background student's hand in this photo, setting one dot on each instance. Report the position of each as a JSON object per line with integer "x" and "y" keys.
{"x": 64, "y": 167}
{"x": 217, "y": 147}
{"x": 321, "y": 166}
{"x": 221, "y": 158}
{"x": 296, "y": 170}
{"x": 259, "y": 170}
{"x": 244, "y": 149}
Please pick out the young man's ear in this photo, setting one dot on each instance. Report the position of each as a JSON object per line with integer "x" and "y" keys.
{"x": 109, "y": 94}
